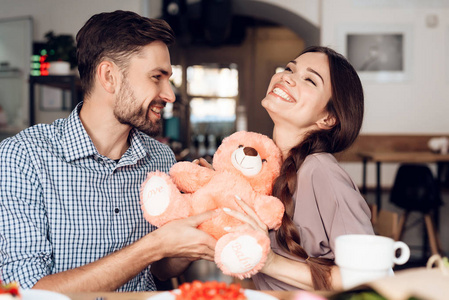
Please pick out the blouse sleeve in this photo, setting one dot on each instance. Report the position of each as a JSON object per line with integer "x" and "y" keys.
{"x": 328, "y": 204}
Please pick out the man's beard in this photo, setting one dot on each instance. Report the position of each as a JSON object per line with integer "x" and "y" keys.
{"x": 127, "y": 111}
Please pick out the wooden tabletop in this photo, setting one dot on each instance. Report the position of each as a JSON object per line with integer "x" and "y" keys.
{"x": 281, "y": 295}
{"x": 404, "y": 156}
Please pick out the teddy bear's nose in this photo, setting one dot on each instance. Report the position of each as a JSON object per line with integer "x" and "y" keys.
{"x": 250, "y": 151}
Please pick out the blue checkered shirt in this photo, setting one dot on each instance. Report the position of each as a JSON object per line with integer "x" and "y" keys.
{"x": 63, "y": 205}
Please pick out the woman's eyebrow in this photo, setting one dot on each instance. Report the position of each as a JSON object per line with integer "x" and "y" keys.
{"x": 308, "y": 69}
{"x": 315, "y": 72}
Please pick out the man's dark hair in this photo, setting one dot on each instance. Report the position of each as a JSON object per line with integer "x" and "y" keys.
{"x": 115, "y": 36}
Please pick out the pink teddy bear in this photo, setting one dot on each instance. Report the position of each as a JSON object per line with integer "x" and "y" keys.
{"x": 245, "y": 165}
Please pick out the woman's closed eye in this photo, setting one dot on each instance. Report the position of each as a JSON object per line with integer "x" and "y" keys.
{"x": 310, "y": 80}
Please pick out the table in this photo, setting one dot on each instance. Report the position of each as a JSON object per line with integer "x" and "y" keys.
{"x": 397, "y": 157}
{"x": 282, "y": 295}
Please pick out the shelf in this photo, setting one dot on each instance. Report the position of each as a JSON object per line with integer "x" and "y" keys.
{"x": 10, "y": 74}
{"x": 65, "y": 82}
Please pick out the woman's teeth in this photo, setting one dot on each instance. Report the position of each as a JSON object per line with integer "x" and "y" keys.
{"x": 282, "y": 94}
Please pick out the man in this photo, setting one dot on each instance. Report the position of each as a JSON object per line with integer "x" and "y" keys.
{"x": 70, "y": 218}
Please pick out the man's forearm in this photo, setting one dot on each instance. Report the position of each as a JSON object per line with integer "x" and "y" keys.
{"x": 109, "y": 272}
{"x": 179, "y": 238}
{"x": 170, "y": 267}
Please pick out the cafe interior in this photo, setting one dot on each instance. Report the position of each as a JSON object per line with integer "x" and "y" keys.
{"x": 224, "y": 57}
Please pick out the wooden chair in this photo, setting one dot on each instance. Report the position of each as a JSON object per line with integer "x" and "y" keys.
{"x": 416, "y": 190}
{"x": 432, "y": 234}
{"x": 385, "y": 222}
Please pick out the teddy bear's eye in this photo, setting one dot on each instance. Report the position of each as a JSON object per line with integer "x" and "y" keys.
{"x": 240, "y": 146}
{"x": 264, "y": 160}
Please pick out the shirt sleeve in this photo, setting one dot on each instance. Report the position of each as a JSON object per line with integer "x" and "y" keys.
{"x": 25, "y": 251}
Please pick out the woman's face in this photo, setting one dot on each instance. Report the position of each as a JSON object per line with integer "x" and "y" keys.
{"x": 297, "y": 97}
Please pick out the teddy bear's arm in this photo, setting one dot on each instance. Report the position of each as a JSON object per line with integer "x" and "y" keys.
{"x": 189, "y": 177}
{"x": 270, "y": 210}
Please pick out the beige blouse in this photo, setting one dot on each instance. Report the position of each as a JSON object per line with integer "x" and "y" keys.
{"x": 327, "y": 204}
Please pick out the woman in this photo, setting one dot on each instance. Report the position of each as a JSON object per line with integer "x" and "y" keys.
{"x": 316, "y": 105}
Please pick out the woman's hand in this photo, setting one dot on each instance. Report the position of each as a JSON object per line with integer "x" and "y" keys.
{"x": 252, "y": 221}
{"x": 293, "y": 272}
{"x": 203, "y": 163}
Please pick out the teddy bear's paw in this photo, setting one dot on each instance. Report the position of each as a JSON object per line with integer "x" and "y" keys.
{"x": 161, "y": 201}
{"x": 242, "y": 254}
{"x": 189, "y": 177}
{"x": 270, "y": 211}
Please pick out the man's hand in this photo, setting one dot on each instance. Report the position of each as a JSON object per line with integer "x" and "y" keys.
{"x": 182, "y": 238}
{"x": 183, "y": 243}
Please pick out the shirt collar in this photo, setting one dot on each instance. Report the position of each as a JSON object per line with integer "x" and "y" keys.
{"x": 78, "y": 144}
{"x": 76, "y": 141}
{"x": 138, "y": 148}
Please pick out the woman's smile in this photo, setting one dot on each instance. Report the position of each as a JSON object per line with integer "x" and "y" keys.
{"x": 281, "y": 93}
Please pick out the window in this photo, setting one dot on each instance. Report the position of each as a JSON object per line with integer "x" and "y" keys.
{"x": 212, "y": 90}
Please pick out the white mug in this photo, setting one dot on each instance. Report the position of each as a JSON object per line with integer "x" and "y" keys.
{"x": 363, "y": 258}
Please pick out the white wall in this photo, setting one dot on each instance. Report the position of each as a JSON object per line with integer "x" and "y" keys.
{"x": 308, "y": 9}
{"x": 419, "y": 104}
{"x": 62, "y": 16}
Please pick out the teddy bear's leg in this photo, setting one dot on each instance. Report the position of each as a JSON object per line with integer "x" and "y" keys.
{"x": 242, "y": 254}
{"x": 161, "y": 201}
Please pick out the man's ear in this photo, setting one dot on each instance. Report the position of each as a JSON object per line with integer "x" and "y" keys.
{"x": 327, "y": 122}
{"x": 107, "y": 74}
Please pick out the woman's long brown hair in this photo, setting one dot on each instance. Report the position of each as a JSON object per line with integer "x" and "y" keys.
{"x": 346, "y": 105}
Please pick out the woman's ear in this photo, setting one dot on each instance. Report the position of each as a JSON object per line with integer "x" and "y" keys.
{"x": 327, "y": 122}
{"x": 107, "y": 74}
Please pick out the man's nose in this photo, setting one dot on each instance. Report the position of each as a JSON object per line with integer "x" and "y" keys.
{"x": 167, "y": 93}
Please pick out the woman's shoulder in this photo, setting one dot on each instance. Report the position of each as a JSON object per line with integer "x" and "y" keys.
{"x": 324, "y": 167}
{"x": 319, "y": 161}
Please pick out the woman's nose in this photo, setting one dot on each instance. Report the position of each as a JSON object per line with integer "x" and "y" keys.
{"x": 287, "y": 78}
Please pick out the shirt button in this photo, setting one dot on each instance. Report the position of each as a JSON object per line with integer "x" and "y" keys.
{"x": 117, "y": 210}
